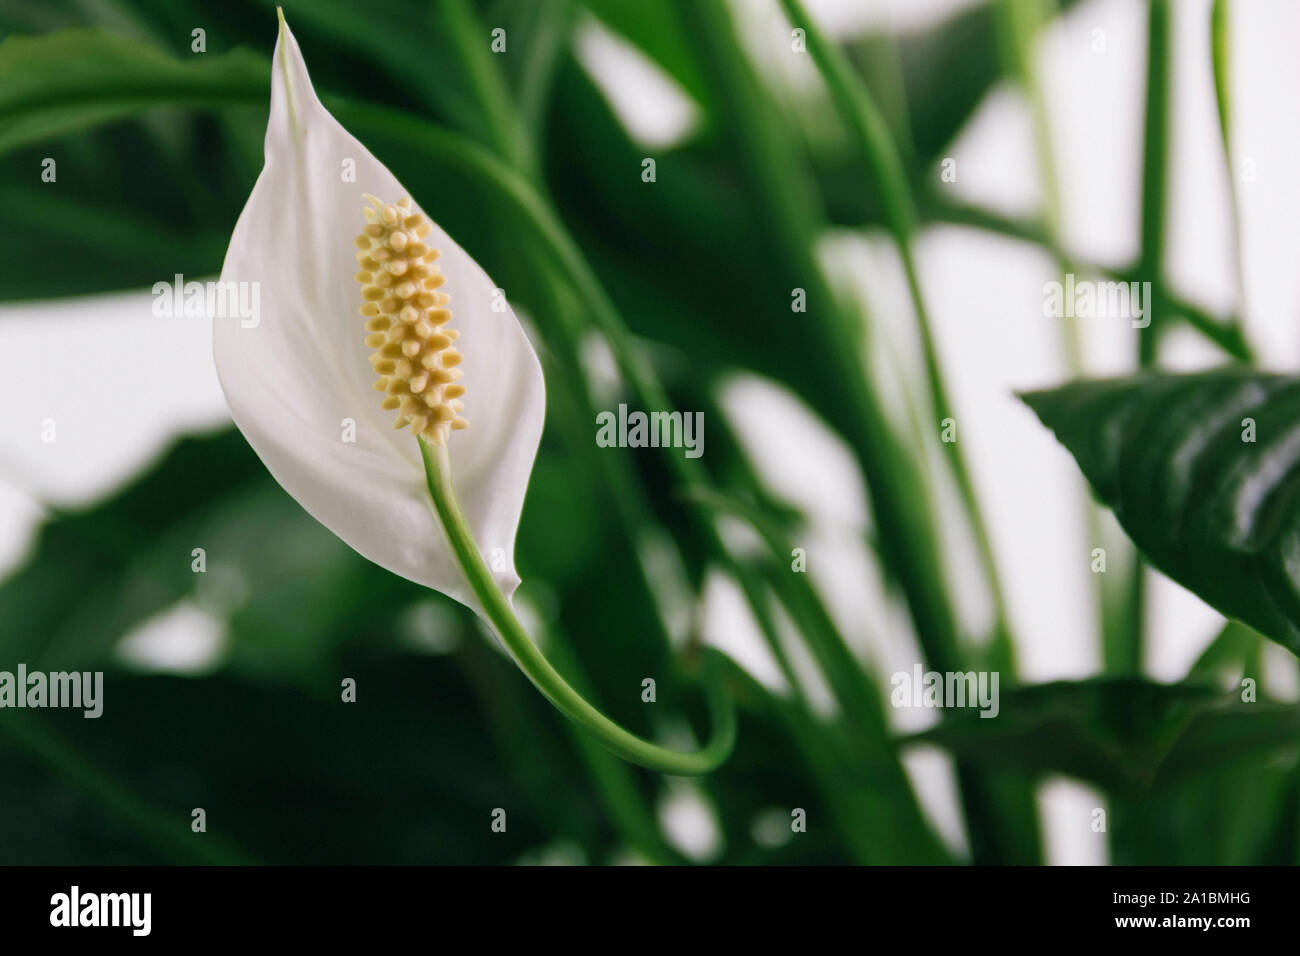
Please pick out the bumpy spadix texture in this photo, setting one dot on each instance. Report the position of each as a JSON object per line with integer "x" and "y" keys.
{"x": 407, "y": 321}
{"x": 300, "y": 384}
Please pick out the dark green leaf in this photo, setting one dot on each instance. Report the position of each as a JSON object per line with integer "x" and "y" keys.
{"x": 1203, "y": 472}
{"x": 658, "y": 31}
{"x": 1127, "y": 735}
{"x": 286, "y": 773}
{"x": 1111, "y": 731}
{"x": 78, "y": 78}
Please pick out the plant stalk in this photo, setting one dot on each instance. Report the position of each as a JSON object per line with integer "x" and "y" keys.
{"x": 496, "y": 607}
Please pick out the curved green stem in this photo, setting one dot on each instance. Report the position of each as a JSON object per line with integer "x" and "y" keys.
{"x": 538, "y": 669}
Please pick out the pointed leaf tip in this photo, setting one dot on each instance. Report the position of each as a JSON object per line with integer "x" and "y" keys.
{"x": 1203, "y": 473}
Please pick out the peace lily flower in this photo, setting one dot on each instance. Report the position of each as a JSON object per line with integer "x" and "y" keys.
{"x": 358, "y": 287}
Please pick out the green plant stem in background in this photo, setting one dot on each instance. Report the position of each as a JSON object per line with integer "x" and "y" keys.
{"x": 508, "y": 127}
{"x": 853, "y": 689}
{"x": 907, "y": 536}
{"x": 906, "y": 533}
{"x": 845, "y": 675}
{"x": 551, "y": 235}
{"x": 885, "y": 166}
{"x": 868, "y": 824}
{"x": 538, "y": 670}
{"x": 618, "y": 475}
{"x": 1224, "y": 333}
{"x": 1019, "y": 23}
{"x": 492, "y": 95}
{"x": 880, "y": 55}
{"x": 1128, "y": 649}
{"x": 1219, "y": 53}
{"x": 612, "y": 778}
{"x": 1155, "y": 174}
{"x": 854, "y": 823}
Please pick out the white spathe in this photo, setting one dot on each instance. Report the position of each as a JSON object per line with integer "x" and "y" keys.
{"x": 296, "y": 377}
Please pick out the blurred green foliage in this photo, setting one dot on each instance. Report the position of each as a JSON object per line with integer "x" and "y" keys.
{"x": 522, "y": 159}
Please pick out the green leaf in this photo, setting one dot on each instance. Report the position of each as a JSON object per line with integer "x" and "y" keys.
{"x": 1203, "y": 473}
{"x": 1127, "y": 735}
{"x": 1217, "y": 819}
{"x": 105, "y": 108}
{"x": 658, "y": 31}
{"x": 77, "y": 78}
{"x": 1109, "y": 731}
{"x": 115, "y": 242}
{"x": 929, "y": 84}
{"x": 290, "y": 592}
{"x": 287, "y": 773}
{"x": 544, "y": 30}
{"x": 1229, "y": 736}
{"x": 947, "y": 70}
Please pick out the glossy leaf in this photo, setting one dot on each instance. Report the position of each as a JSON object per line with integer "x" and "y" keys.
{"x": 1203, "y": 473}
